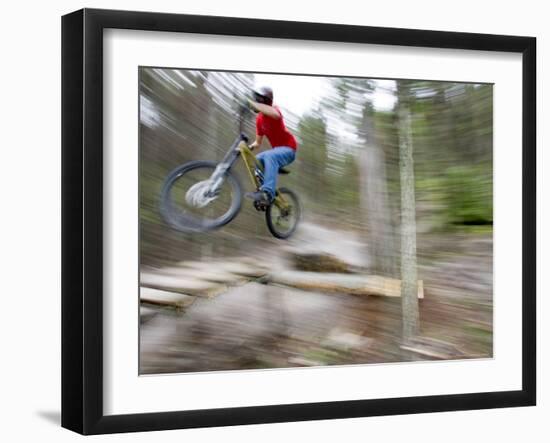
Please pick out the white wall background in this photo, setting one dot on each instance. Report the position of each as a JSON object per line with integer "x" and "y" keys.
{"x": 30, "y": 219}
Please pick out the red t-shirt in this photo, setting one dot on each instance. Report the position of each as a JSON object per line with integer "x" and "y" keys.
{"x": 275, "y": 130}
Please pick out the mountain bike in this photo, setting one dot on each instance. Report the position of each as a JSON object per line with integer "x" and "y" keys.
{"x": 200, "y": 196}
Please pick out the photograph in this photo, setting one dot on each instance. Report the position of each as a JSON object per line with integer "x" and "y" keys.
{"x": 240, "y": 222}
{"x": 303, "y": 221}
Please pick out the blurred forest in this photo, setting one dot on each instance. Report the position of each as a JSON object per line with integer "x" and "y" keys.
{"x": 347, "y": 167}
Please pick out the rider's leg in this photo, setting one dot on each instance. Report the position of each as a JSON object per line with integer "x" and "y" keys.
{"x": 272, "y": 160}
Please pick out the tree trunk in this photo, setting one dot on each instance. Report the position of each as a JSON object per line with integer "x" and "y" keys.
{"x": 409, "y": 300}
{"x": 374, "y": 202}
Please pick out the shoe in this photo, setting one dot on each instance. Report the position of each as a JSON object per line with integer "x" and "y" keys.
{"x": 259, "y": 196}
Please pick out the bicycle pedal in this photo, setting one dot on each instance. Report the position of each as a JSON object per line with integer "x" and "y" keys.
{"x": 260, "y": 206}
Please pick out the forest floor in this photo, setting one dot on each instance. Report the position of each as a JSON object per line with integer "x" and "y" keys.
{"x": 257, "y": 326}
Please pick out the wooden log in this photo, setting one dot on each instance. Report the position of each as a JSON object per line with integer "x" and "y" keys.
{"x": 343, "y": 283}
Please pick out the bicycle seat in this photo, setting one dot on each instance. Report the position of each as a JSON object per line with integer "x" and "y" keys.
{"x": 283, "y": 171}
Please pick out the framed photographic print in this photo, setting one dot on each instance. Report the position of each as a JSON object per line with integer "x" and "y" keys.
{"x": 269, "y": 221}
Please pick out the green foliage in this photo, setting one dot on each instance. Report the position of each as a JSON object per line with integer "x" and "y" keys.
{"x": 452, "y": 142}
{"x": 326, "y": 178}
{"x": 312, "y": 158}
{"x": 469, "y": 195}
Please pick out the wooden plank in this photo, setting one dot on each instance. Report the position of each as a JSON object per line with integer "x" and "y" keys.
{"x": 212, "y": 275}
{"x": 244, "y": 269}
{"x": 165, "y": 298}
{"x": 345, "y": 283}
{"x": 434, "y": 348}
{"x": 181, "y": 285}
{"x": 391, "y": 287}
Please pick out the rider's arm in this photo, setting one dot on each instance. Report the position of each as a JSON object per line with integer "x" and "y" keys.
{"x": 258, "y": 142}
{"x": 268, "y": 111}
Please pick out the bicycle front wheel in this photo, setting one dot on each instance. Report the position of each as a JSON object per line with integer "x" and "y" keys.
{"x": 191, "y": 202}
{"x": 282, "y": 222}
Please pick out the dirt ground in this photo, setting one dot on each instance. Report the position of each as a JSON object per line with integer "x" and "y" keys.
{"x": 258, "y": 326}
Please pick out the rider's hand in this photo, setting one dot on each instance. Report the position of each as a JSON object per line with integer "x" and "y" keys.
{"x": 252, "y": 145}
{"x": 252, "y": 104}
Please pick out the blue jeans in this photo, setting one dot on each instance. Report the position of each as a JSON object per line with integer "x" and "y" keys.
{"x": 272, "y": 160}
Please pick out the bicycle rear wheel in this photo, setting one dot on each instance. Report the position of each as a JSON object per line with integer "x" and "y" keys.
{"x": 283, "y": 222}
{"x": 189, "y": 203}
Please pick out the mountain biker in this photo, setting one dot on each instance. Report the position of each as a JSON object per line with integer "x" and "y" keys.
{"x": 270, "y": 124}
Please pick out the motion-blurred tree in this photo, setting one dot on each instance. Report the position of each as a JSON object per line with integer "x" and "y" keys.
{"x": 374, "y": 197}
{"x": 409, "y": 283}
{"x": 355, "y": 105}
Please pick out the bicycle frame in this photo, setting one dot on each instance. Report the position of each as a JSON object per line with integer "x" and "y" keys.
{"x": 240, "y": 148}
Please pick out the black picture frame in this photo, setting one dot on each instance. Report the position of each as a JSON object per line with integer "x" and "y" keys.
{"x": 82, "y": 219}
